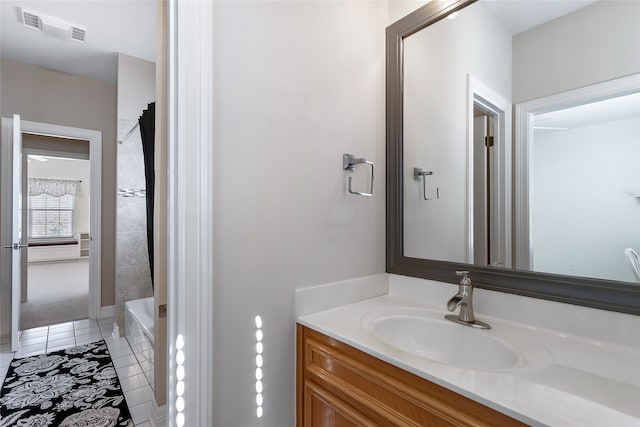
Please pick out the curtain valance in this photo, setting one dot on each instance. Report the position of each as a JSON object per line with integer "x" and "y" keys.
{"x": 53, "y": 187}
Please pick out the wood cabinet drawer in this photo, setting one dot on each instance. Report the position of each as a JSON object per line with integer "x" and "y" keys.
{"x": 339, "y": 385}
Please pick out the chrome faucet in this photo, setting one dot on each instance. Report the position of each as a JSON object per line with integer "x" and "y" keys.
{"x": 464, "y": 300}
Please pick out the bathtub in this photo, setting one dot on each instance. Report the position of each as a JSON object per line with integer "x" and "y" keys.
{"x": 139, "y": 328}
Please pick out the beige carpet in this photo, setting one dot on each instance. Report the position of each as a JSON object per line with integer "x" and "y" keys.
{"x": 58, "y": 292}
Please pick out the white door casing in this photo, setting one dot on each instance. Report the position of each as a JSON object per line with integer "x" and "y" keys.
{"x": 190, "y": 278}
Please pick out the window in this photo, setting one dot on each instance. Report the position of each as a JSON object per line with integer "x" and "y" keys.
{"x": 51, "y": 217}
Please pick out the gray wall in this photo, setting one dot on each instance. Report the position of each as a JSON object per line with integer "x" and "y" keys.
{"x": 297, "y": 84}
{"x": 136, "y": 86}
{"x": 589, "y": 46}
{"x": 47, "y": 96}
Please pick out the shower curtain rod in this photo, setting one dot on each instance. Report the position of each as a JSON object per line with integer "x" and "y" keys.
{"x": 128, "y": 133}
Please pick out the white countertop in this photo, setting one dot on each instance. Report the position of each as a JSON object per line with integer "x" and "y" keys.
{"x": 581, "y": 383}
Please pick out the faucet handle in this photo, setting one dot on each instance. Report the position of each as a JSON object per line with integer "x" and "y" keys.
{"x": 466, "y": 280}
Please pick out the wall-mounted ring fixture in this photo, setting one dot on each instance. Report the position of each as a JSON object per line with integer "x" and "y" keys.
{"x": 349, "y": 163}
{"x": 417, "y": 173}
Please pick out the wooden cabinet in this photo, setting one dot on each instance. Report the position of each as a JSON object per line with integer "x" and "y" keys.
{"x": 340, "y": 386}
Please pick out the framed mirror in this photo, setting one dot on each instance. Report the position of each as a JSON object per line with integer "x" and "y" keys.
{"x": 468, "y": 94}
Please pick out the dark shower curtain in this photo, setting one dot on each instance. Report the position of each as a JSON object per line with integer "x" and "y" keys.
{"x": 147, "y": 122}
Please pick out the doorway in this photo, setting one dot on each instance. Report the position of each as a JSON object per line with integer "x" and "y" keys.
{"x": 50, "y": 134}
{"x": 489, "y": 178}
{"x": 56, "y": 186}
{"x": 485, "y": 182}
{"x": 577, "y": 153}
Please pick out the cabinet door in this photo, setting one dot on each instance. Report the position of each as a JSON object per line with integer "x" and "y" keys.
{"x": 338, "y": 385}
{"x": 322, "y": 409}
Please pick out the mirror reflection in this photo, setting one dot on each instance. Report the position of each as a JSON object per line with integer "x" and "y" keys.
{"x": 557, "y": 192}
{"x": 583, "y": 190}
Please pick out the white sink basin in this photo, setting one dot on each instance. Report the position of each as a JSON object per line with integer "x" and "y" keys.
{"x": 426, "y": 334}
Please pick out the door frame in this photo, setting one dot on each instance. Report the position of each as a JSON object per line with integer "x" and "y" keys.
{"x": 489, "y": 100}
{"x": 190, "y": 214}
{"x": 524, "y": 113}
{"x": 95, "y": 209}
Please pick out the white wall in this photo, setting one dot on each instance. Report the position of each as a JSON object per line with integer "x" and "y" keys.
{"x": 595, "y": 44}
{"x": 437, "y": 61}
{"x": 583, "y": 214}
{"x": 59, "y": 168}
{"x": 398, "y": 9}
{"x": 297, "y": 84}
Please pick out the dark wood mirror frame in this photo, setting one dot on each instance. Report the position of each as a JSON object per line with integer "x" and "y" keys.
{"x": 597, "y": 293}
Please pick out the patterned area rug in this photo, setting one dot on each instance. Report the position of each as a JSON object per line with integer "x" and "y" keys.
{"x": 67, "y": 388}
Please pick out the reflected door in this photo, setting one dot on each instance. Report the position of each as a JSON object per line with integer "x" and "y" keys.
{"x": 487, "y": 246}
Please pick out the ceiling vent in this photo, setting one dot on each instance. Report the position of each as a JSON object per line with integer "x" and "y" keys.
{"x": 53, "y": 26}
{"x": 31, "y": 20}
{"x": 78, "y": 34}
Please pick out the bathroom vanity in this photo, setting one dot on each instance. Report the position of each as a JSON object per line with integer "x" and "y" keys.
{"x": 393, "y": 359}
{"x": 339, "y": 385}
{"x": 564, "y": 343}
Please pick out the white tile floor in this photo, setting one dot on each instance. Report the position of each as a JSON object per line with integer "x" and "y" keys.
{"x": 137, "y": 390}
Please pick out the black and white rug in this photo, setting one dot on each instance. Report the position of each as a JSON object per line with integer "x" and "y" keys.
{"x": 67, "y": 388}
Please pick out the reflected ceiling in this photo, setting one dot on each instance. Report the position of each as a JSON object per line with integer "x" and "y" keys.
{"x": 620, "y": 108}
{"x": 520, "y": 15}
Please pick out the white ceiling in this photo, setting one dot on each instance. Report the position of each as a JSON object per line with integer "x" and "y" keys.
{"x": 608, "y": 110}
{"x": 126, "y": 26}
{"x": 517, "y": 16}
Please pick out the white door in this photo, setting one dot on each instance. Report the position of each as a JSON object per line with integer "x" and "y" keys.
{"x": 18, "y": 239}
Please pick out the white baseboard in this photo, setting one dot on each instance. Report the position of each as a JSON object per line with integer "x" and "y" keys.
{"x": 108, "y": 311}
{"x": 158, "y": 416}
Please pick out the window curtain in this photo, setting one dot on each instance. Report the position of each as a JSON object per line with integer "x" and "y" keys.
{"x": 53, "y": 187}
{"x": 147, "y": 122}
